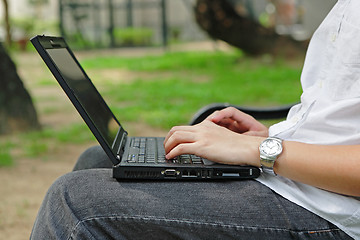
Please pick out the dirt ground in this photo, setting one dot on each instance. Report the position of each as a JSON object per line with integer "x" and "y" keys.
{"x": 23, "y": 186}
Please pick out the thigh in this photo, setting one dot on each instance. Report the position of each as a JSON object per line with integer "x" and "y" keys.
{"x": 93, "y": 157}
{"x": 91, "y": 203}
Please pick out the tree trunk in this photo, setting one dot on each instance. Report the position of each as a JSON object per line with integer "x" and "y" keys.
{"x": 220, "y": 20}
{"x": 7, "y": 22}
{"x": 17, "y": 112}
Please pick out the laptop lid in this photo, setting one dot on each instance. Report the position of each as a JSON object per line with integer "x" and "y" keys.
{"x": 78, "y": 87}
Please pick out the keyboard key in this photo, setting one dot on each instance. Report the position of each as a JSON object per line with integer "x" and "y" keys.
{"x": 151, "y": 150}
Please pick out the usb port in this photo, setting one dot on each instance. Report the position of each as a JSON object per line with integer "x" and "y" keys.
{"x": 206, "y": 173}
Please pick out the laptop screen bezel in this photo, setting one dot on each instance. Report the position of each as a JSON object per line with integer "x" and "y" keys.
{"x": 42, "y": 44}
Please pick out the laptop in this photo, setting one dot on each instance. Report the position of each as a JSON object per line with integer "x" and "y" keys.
{"x": 132, "y": 157}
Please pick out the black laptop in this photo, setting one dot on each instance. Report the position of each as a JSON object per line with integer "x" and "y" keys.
{"x": 132, "y": 157}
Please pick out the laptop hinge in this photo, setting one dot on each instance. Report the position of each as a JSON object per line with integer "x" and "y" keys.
{"x": 122, "y": 143}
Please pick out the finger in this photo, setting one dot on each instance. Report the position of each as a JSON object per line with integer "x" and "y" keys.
{"x": 178, "y": 137}
{"x": 212, "y": 115}
{"x": 228, "y": 123}
{"x": 229, "y": 112}
{"x": 244, "y": 121}
{"x": 175, "y": 129}
{"x": 184, "y": 148}
{"x": 233, "y": 125}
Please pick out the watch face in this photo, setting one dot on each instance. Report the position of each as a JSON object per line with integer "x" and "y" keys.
{"x": 271, "y": 147}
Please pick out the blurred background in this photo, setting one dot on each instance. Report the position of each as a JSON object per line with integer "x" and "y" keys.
{"x": 156, "y": 62}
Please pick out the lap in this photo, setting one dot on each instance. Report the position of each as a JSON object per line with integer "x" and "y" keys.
{"x": 89, "y": 203}
{"x": 230, "y": 209}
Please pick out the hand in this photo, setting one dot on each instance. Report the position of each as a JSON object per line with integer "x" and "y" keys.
{"x": 239, "y": 122}
{"x": 213, "y": 142}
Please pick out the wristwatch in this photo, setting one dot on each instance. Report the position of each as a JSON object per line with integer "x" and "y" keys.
{"x": 270, "y": 149}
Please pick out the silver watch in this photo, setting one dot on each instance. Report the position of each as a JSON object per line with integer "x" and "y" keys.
{"x": 270, "y": 149}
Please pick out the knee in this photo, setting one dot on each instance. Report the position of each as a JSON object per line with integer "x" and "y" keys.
{"x": 62, "y": 206}
{"x": 62, "y": 191}
{"x": 54, "y": 211}
{"x": 72, "y": 191}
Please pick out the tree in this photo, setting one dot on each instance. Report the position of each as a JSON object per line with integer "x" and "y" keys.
{"x": 7, "y": 22}
{"x": 17, "y": 112}
{"x": 220, "y": 20}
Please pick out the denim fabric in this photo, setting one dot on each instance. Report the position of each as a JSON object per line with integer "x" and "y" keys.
{"x": 90, "y": 204}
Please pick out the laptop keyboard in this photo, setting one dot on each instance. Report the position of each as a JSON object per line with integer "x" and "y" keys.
{"x": 151, "y": 150}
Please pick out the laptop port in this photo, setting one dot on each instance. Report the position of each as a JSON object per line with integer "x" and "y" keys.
{"x": 189, "y": 174}
{"x": 170, "y": 172}
{"x": 231, "y": 175}
{"x": 206, "y": 173}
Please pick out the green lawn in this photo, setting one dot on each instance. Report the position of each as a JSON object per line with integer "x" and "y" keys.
{"x": 166, "y": 90}
{"x": 180, "y": 83}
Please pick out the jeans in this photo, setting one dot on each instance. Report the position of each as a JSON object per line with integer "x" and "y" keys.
{"x": 90, "y": 204}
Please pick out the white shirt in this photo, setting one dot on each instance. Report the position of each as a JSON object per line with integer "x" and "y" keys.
{"x": 329, "y": 112}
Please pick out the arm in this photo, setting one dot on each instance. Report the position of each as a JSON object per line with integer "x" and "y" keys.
{"x": 333, "y": 168}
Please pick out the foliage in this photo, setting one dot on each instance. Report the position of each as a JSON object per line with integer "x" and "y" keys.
{"x": 26, "y": 27}
{"x": 133, "y": 36}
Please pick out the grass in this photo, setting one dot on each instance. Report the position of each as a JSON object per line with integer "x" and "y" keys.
{"x": 40, "y": 142}
{"x": 166, "y": 90}
{"x": 6, "y": 158}
{"x": 186, "y": 81}
{"x": 37, "y": 144}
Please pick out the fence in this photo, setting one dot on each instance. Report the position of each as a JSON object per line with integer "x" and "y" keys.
{"x": 110, "y": 23}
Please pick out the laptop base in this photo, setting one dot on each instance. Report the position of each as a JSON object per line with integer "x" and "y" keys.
{"x": 177, "y": 172}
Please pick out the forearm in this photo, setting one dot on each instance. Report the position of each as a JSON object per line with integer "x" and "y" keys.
{"x": 333, "y": 168}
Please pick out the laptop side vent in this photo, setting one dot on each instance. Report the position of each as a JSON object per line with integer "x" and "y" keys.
{"x": 142, "y": 174}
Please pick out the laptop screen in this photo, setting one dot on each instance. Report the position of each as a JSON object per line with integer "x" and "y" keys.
{"x": 86, "y": 94}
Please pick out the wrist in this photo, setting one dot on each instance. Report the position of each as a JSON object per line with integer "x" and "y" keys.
{"x": 270, "y": 150}
{"x": 255, "y": 152}
{"x": 245, "y": 151}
